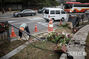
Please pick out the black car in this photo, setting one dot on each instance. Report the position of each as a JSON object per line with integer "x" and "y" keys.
{"x": 41, "y": 10}
{"x": 26, "y": 12}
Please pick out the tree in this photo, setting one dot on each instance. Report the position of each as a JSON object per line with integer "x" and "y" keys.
{"x": 43, "y": 3}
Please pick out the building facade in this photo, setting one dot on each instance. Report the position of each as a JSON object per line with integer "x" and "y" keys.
{"x": 16, "y": 4}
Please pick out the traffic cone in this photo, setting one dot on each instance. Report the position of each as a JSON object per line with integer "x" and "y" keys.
{"x": 60, "y": 22}
{"x": 36, "y": 28}
{"x": 50, "y": 25}
{"x": 12, "y": 33}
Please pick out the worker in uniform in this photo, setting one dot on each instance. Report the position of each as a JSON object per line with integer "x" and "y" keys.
{"x": 23, "y": 27}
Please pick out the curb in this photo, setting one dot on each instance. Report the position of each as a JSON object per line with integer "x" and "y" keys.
{"x": 18, "y": 49}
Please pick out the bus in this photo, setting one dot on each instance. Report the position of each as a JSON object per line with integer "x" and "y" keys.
{"x": 76, "y": 7}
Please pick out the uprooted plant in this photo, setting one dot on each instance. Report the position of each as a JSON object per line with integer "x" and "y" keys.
{"x": 59, "y": 39}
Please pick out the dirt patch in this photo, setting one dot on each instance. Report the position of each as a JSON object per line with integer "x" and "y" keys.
{"x": 41, "y": 49}
{"x": 9, "y": 46}
{"x": 63, "y": 29}
{"x": 87, "y": 47}
{"x": 38, "y": 50}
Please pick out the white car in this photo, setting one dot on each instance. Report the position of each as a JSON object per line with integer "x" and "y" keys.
{"x": 55, "y": 14}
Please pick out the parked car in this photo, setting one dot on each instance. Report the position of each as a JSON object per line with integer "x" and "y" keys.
{"x": 55, "y": 14}
{"x": 41, "y": 10}
{"x": 25, "y": 12}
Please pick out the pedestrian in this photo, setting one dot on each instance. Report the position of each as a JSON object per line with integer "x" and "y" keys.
{"x": 23, "y": 27}
{"x": 3, "y": 10}
{"x": 82, "y": 17}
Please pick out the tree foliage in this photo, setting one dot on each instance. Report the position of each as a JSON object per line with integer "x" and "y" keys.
{"x": 32, "y": 3}
{"x": 44, "y": 3}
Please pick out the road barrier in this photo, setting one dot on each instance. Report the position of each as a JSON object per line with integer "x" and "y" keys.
{"x": 12, "y": 33}
{"x": 50, "y": 25}
{"x": 60, "y": 22}
{"x": 36, "y": 30}
{"x": 4, "y": 32}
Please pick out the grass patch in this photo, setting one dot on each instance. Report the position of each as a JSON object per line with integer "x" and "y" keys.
{"x": 7, "y": 47}
{"x": 38, "y": 50}
{"x": 87, "y": 47}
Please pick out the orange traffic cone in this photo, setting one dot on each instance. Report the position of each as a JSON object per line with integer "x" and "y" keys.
{"x": 36, "y": 28}
{"x": 60, "y": 22}
{"x": 12, "y": 33}
{"x": 50, "y": 25}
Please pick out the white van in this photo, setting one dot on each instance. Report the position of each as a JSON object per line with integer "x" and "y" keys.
{"x": 55, "y": 14}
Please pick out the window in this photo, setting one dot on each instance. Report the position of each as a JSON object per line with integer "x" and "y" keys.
{"x": 63, "y": 12}
{"x": 52, "y": 12}
{"x": 46, "y": 12}
{"x": 68, "y": 6}
{"x": 81, "y": 5}
{"x": 27, "y": 11}
{"x": 57, "y": 12}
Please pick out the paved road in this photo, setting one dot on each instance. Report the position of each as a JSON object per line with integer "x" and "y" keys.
{"x": 31, "y": 21}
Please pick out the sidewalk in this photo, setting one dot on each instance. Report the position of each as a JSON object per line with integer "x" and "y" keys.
{"x": 77, "y": 50}
{"x": 6, "y": 14}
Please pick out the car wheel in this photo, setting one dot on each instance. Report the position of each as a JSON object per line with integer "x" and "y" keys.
{"x": 46, "y": 20}
{"x": 32, "y": 14}
{"x": 19, "y": 15}
{"x": 63, "y": 19}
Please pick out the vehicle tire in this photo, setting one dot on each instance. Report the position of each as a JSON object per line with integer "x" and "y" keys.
{"x": 46, "y": 20}
{"x": 19, "y": 15}
{"x": 63, "y": 19}
{"x": 32, "y": 14}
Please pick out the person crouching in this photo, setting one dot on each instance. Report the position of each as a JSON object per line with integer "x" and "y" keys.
{"x": 23, "y": 27}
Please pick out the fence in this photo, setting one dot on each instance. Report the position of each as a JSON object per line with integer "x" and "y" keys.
{"x": 4, "y": 32}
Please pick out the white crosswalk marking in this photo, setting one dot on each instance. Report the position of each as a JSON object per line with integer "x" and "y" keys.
{"x": 44, "y": 24}
{"x": 36, "y": 18}
{"x": 11, "y": 21}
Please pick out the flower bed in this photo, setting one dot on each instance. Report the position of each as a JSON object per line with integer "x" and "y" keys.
{"x": 48, "y": 47}
{"x": 59, "y": 38}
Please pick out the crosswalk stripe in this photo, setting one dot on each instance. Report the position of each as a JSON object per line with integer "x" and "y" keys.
{"x": 36, "y": 18}
{"x": 44, "y": 24}
{"x": 11, "y": 21}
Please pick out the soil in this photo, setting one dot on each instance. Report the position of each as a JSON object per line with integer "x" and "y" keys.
{"x": 87, "y": 47}
{"x": 41, "y": 49}
{"x": 38, "y": 50}
{"x": 9, "y": 46}
{"x": 65, "y": 29}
